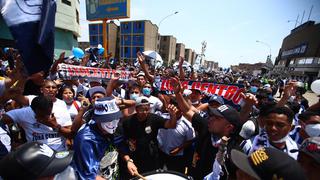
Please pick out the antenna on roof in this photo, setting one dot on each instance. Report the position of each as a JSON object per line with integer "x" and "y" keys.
{"x": 310, "y": 12}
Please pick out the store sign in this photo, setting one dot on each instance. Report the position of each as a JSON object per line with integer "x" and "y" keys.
{"x": 295, "y": 51}
{"x": 107, "y": 9}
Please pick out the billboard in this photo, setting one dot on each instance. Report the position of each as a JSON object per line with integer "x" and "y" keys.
{"x": 107, "y": 9}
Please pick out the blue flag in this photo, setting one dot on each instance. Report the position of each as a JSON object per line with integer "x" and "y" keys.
{"x": 32, "y": 25}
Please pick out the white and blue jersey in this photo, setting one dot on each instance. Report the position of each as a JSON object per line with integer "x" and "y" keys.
{"x": 90, "y": 146}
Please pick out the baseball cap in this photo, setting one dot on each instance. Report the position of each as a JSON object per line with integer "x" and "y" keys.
{"x": 96, "y": 89}
{"x": 311, "y": 147}
{"x": 227, "y": 112}
{"x": 142, "y": 100}
{"x": 267, "y": 163}
{"x": 247, "y": 130}
{"x": 217, "y": 99}
{"x": 32, "y": 160}
{"x": 141, "y": 74}
{"x": 106, "y": 110}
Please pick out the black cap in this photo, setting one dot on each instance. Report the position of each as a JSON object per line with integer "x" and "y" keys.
{"x": 267, "y": 163}
{"x": 33, "y": 160}
{"x": 227, "y": 112}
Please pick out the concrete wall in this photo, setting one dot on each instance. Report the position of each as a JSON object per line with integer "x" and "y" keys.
{"x": 168, "y": 49}
{"x": 150, "y": 36}
{"x": 180, "y": 47}
{"x": 188, "y": 55}
{"x": 66, "y": 16}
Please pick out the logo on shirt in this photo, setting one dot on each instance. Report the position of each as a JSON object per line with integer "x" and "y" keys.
{"x": 148, "y": 130}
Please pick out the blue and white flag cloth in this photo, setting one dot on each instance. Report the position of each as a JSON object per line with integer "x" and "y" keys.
{"x": 32, "y": 25}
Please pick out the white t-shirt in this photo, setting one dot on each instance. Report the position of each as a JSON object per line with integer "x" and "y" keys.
{"x": 172, "y": 138}
{"x": 36, "y": 131}
{"x": 60, "y": 111}
{"x": 73, "y": 111}
{"x": 156, "y": 104}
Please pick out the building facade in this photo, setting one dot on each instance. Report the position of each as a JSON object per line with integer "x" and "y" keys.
{"x": 193, "y": 57}
{"x": 299, "y": 56}
{"x": 188, "y": 55}
{"x": 137, "y": 36}
{"x": 96, "y": 37}
{"x": 168, "y": 49}
{"x": 180, "y": 50}
{"x": 83, "y": 45}
{"x": 67, "y": 28}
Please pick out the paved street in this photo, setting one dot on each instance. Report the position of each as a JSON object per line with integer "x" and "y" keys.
{"x": 309, "y": 95}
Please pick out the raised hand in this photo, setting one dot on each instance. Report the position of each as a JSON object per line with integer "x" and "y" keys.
{"x": 173, "y": 110}
{"x": 289, "y": 89}
{"x": 176, "y": 84}
{"x": 141, "y": 57}
{"x": 181, "y": 59}
{"x": 249, "y": 99}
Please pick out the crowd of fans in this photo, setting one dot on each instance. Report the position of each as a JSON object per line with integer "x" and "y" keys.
{"x": 116, "y": 129}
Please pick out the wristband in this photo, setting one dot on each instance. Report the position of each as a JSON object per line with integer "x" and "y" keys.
{"x": 130, "y": 160}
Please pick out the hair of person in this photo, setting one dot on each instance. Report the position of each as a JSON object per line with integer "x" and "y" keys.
{"x": 135, "y": 86}
{"x": 265, "y": 106}
{"x": 46, "y": 81}
{"x": 41, "y": 103}
{"x": 307, "y": 115}
{"x": 294, "y": 106}
{"x": 63, "y": 88}
{"x": 282, "y": 110}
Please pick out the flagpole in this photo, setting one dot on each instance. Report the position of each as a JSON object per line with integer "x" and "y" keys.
{"x": 105, "y": 38}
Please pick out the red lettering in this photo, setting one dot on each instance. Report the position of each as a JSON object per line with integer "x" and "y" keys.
{"x": 230, "y": 92}
{"x": 94, "y": 72}
{"x": 82, "y": 72}
{"x": 70, "y": 71}
{"x": 221, "y": 88}
{"x": 184, "y": 84}
{"x": 212, "y": 89}
{"x": 196, "y": 85}
{"x": 204, "y": 86}
{"x": 236, "y": 98}
{"x": 163, "y": 85}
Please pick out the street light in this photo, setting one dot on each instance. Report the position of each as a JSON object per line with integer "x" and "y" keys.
{"x": 265, "y": 45}
{"x": 166, "y": 18}
{"x": 176, "y": 12}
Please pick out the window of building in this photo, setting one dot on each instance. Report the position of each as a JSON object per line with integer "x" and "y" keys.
{"x": 125, "y": 26}
{"x": 93, "y": 39}
{"x": 164, "y": 38}
{"x": 138, "y": 25}
{"x": 77, "y": 14}
{"x": 292, "y": 61}
{"x": 67, "y": 2}
{"x": 309, "y": 61}
{"x": 301, "y": 61}
{"x": 126, "y": 50}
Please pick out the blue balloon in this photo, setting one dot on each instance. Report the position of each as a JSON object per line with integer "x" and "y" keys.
{"x": 77, "y": 52}
{"x": 6, "y": 50}
{"x": 101, "y": 50}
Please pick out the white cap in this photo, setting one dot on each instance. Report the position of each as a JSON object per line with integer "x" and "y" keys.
{"x": 247, "y": 130}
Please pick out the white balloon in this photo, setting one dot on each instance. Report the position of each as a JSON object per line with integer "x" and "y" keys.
{"x": 315, "y": 86}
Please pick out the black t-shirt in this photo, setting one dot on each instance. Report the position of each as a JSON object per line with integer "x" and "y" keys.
{"x": 204, "y": 147}
{"x": 143, "y": 134}
{"x": 207, "y": 151}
